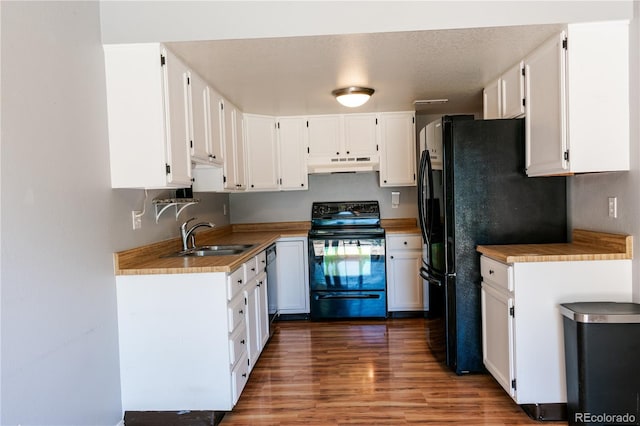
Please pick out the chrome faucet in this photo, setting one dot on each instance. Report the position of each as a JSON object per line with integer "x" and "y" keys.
{"x": 187, "y": 234}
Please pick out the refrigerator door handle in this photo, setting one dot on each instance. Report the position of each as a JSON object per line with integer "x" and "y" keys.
{"x": 422, "y": 196}
{"x": 424, "y": 274}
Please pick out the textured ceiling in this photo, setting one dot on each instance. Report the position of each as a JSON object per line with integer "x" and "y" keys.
{"x": 294, "y": 76}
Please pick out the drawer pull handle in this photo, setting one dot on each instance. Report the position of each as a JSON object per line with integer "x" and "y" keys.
{"x": 491, "y": 272}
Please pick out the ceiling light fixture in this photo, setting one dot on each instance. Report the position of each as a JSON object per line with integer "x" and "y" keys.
{"x": 353, "y": 96}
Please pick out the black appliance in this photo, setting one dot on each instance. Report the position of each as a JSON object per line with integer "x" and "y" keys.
{"x": 272, "y": 287}
{"x": 481, "y": 196}
{"x": 347, "y": 274}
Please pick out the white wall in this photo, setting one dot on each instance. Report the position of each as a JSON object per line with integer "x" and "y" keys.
{"x": 292, "y": 206}
{"x": 61, "y": 221}
{"x": 589, "y": 193}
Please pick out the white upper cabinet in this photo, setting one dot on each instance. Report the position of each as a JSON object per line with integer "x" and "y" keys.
{"x": 234, "y": 153}
{"x": 262, "y": 152}
{"x": 325, "y": 136}
{"x": 360, "y": 135}
{"x": 577, "y": 101}
{"x": 503, "y": 97}
{"x": 292, "y": 143}
{"x": 147, "y": 117}
{"x": 347, "y": 142}
{"x": 215, "y": 126}
{"x": 545, "y": 120}
{"x": 491, "y": 100}
{"x": 398, "y": 149}
{"x": 199, "y": 109}
{"x": 512, "y": 92}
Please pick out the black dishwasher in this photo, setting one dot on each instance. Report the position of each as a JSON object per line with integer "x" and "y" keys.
{"x": 272, "y": 287}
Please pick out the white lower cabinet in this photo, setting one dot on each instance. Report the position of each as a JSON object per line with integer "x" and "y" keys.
{"x": 292, "y": 275}
{"x": 522, "y": 331}
{"x": 173, "y": 331}
{"x": 405, "y": 288}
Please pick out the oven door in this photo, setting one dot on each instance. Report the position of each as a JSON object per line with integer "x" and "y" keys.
{"x": 347, "y": 264}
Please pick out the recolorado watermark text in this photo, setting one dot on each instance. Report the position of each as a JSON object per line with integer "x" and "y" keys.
{"x": 626, "y": 418}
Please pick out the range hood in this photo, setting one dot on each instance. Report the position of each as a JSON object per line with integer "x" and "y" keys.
{"x": 344, "y": 165}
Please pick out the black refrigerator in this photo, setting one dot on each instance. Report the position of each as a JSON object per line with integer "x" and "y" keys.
{"x": 481, "y": 195}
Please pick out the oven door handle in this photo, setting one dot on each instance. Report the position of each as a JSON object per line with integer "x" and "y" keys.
{"x": 346, "y": 296}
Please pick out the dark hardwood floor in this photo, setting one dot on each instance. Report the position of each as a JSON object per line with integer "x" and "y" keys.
{"x": 365, "y": 373}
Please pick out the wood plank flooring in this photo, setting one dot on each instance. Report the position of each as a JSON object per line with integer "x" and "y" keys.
{"x": 365, "y": 373}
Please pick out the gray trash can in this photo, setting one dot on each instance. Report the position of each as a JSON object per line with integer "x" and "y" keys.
{"x": 602, "y": 358}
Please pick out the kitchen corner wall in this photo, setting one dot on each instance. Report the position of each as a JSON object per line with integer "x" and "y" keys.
{"x": 589, "y": 193}
{"x": 291, "y": 206}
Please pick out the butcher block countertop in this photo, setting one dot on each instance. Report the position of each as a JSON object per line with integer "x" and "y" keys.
{"x": 586, "y": 245}
{"x": 151, "y": 259}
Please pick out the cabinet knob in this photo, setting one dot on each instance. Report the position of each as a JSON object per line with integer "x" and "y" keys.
{"x": 391, "y": 257}
{"x": 491, "y": 272}
{"x": 348, "y": 152}
{"x": 337, "y": 153}
{"x": 253, "y": 269}
{"x": 241, "y": 311}
{"x": 302, "y": 184}
{"x": 244, "y": 374}
{"x": 252, "y": 185}
{"x": 242, "y": 341}
{"x": 239, "y": 281}
{"x": 385, "y": 181}
{"x": 405, "y": 243}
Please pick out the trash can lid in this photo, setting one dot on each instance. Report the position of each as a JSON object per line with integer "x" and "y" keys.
{"x": 602, "y": 312}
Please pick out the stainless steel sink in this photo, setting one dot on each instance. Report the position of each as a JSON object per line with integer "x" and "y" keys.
{"x": 218, "y": 250}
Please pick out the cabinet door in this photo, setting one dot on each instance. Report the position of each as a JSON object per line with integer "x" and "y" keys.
{"x": 512, "y": 92}
{"x": 263, "y": 310}
{"x": 404, "y": 286}
{"x": 229, "y": 144}
{"x": 177, "y": 118}
{"x": 199, "y": 113}
{"x": 252, "y": 301}
{"x": 324, "y": 136}
{"x": 497, "y": 336}
{"x": 262, "y": 152}
{"x": 292, "y": 277}
{"x": 240, "y": 157}
{"x": 491, "y": 100}
{"x": 360, "y": 135}
{"x": 215, "y": 125}
{"x": 398, "y": 149}
{"x": 293, "y": 160}
{"x": 545, "y": 118}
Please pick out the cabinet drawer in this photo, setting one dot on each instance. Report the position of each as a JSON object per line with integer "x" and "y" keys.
{"x": 235, "y": 282}
{"x": 237, "y": 344}
{"x": 236, "y": 312}
{"x": 496, "y": 272}
{"x": 239, "y": 377}
{"x": 261, "y": 261}
{"x": 404, "y": 242}
{"x": 250, "y": 268}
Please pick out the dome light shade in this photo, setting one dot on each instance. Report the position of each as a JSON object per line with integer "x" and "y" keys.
{"x": 353, "y": 96}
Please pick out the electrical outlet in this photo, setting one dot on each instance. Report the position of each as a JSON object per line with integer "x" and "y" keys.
{"x": 136, "y": 219}
{"x": 613, "y": 207}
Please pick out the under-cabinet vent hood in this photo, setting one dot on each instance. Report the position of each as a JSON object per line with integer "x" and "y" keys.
{"x": 344, "y": 165}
